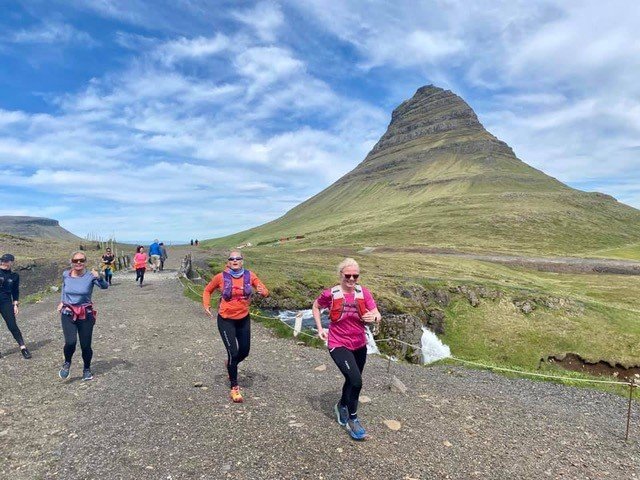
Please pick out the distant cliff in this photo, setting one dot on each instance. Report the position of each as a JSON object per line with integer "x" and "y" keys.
{"x": 34, "y": 227}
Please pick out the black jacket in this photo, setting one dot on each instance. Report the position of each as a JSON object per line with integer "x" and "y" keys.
{"x": 9, "y": 286}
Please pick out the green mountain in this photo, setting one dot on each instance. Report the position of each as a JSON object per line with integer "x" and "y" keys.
{"x": 437, "y": 178}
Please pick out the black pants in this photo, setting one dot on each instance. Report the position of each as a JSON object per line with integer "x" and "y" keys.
{"x": 82, "y": 329}
{"x": 236, "y": 335}
{"x": 140, "y": 275}
{"x": 6, "y": 309}
{"x": 351, "y": 363}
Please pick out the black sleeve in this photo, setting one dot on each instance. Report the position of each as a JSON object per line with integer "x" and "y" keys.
{"x": 15, "y": 290}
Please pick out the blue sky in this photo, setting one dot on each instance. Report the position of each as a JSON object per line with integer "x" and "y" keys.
{"x": 195, "y": 119}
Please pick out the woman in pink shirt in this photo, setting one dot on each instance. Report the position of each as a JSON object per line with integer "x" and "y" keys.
{"x": 350, "y": 308}
{"x": 140, "y": 263}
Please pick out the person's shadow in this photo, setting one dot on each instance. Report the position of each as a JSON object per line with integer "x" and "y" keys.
{"x": 325, "y": 402}
{"x": 102, "y": 366}
{"x": 33, "y": 347}
{"x": 246, "y": 378}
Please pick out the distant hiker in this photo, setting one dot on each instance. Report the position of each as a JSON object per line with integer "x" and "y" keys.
{"x": 140, "y": 263}
{"x": 10, "y": 300}
{"x": 192, "y": 242}
{"x": 163, "y": 255}
{"x": 154, "y": 255}
{"x": 77, "y": 313}
{"x": 351, "y": 306}
{"x": 236, "y": 285}
{"x": 108, "y": 265}
{"x": 196, "y": 242}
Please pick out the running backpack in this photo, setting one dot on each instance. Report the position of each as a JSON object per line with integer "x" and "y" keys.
{"x": 338, "y": 303}
{"x": 227, "y": 285}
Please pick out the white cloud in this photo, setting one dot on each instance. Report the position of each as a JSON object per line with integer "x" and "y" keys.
{"x": 191, "y": 49}
{"x": 54, "y": 33}
{"x": 266, "y": 18}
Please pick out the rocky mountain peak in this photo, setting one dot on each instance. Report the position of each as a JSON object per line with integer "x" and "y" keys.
{"x": 431, "y": 110}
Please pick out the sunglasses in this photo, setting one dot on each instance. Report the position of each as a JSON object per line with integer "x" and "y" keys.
{"x": 234, "y": 259}
{"x": 78, "y": 260}
{"x": 350, "y": 276}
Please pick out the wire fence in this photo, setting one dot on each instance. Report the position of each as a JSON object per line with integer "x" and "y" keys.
{"x": 630, "y": 384}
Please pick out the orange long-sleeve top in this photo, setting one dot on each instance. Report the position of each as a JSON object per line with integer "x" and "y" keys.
{"x": 238, "y": 307}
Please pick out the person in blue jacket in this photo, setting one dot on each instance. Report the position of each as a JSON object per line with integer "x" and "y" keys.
{"x": 155, "y": 253}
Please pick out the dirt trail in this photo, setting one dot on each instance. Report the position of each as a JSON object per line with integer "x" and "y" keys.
{"x": 142, "y": 416}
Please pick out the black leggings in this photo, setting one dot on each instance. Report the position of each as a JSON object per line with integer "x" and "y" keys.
{"x": 236, "y": 335}
{"x": 72, "y": 330}
{"x": 6, "y": 309}
{"x": 140, "y": 274}
{"x": 351, "y": 363}
{"x": 108, "y": 275}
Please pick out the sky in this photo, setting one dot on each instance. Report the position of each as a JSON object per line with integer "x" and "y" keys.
{"x": 180, "y": 119}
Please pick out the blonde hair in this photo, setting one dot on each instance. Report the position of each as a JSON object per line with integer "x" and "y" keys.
{"x": 347, "y": 262}
{"x": 78, "y": 252}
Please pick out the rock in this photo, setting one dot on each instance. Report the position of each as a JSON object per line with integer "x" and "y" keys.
{"x": 198, "y": 384}
{"x": 339, "y": 450}
{"x": 525, "y": 306}
{"x": 365, "y": 399}
{"x": 393, "y": 425}
{"x": 447, "y": 444}
{"x": 473, "y": 298}
{"x": 435, "y": 321}
{"x": 54, "y": 288}
{"x": 406, "y": 328}
{"x": 320, "y": 368}
{"x": 398, "y": 386}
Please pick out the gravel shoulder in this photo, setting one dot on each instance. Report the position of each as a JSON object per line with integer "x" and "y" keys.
{"x": 143, "y": 417}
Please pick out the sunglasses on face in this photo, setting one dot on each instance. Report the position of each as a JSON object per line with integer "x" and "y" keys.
{"x": 234, "y": 259}
{"x": 350, "y": 276}
{"x": 78, "y": 260}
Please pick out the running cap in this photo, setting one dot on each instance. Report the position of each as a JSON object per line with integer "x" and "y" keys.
{"x": 7, "y": 257}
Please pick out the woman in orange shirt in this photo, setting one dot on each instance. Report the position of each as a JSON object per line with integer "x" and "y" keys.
{"x": 236, "y": 285}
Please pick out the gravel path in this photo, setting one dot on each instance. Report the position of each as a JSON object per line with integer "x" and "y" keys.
{"x": 142, "y": 416}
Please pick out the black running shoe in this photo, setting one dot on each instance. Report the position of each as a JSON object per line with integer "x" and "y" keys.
{"x": 25, "y": 353}
{"x": 87, "y": 375}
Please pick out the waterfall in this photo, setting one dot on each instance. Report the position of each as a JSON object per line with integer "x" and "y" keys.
{"x": 432, "y": 348}
{"x": 372, "y": 348}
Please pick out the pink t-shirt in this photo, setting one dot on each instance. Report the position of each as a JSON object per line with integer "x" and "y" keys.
{"x": 349, "y": 330}
{"x": 140, "y": 260}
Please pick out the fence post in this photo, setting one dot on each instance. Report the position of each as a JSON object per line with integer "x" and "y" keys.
{"x": 631, "y": 386}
